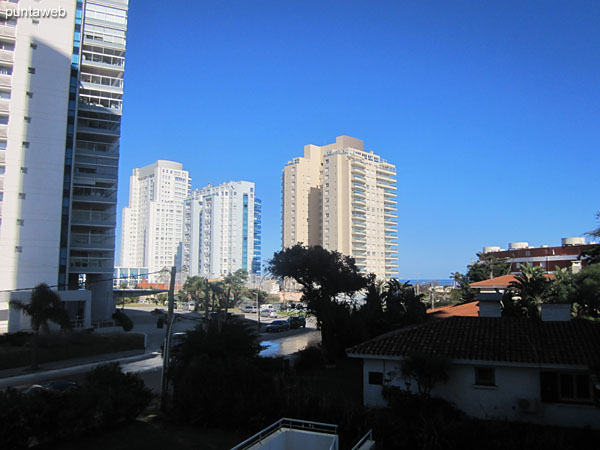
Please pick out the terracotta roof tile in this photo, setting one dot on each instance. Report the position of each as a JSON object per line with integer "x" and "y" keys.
{"x": 470, "y": 309}
{"x": 518, "y": 340}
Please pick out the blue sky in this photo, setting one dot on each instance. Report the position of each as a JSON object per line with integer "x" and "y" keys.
{"x": 490, "y": 110}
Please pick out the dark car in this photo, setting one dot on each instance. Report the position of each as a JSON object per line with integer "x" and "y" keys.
{"x": 52, "y": 386}
{"x": 177, "y": 340}
{"x": 277, "y": 325}
{"x": 297, "y": 322}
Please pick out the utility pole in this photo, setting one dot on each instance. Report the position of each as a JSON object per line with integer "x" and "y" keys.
{"x": 164, "y": 397}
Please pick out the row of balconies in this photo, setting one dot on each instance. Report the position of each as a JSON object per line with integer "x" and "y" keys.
{"x": 91, "y": 217}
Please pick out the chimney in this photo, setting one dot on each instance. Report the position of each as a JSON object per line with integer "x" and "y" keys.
{"x": 556, "y": 312}
{"x": 489, "y": 304}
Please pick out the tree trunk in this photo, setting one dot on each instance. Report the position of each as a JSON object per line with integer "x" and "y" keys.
{"x": 34, "y": 350}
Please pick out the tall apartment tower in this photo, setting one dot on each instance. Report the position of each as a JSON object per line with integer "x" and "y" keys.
{"x": 152, "y": 229}
{"x": 61, "y": 88}
{"x": 343, "y": 198}
{"x": 222, "y": 230}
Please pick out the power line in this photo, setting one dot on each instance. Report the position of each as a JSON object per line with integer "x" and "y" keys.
{"x": 86, "y": 282}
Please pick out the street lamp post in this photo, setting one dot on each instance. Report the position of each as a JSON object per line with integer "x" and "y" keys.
{"x": 258, "y": 299}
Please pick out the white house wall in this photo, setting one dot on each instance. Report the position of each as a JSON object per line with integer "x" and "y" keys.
{"x": 494, "y": 402}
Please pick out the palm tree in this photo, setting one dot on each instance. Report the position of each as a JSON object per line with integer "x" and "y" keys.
{"x": 194, "y": 288}
{"x": 533, "y": 288}
{"x": 44, "y": 307}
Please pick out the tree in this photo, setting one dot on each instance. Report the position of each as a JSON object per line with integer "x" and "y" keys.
{"x": 462, "y": 281}
{"x": 488, "y": 266}
{"x": 194, "y": 289}
{"x": 426, "y": 370}
{"x": 532, "y": 289}
{"x": 236, "y": 282}
{"x": 586, "y": 290}
{"x": 403, "y": 305}
{"x": 44, "y": 307}
{"x": 325, "y": 276}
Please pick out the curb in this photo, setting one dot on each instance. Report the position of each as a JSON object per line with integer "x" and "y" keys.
{"x": 34, "y": 378}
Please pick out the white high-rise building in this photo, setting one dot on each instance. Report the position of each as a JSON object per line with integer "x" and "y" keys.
{"x": 222, "y": 230}
{"x": 61, "y": 88}
{"x": 152, "y": 226}
{"x": 342, "y": 197}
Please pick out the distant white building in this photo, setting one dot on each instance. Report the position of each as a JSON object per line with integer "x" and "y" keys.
{"x": 152, "y": 228}
{"x": 222, "y": 230}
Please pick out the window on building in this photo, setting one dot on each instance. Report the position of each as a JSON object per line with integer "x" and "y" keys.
{"x": 376, "y": 378}
{"x": 31, "y": 70}
{"x": 485, "y": 376}
{"x": 566, "y": 387}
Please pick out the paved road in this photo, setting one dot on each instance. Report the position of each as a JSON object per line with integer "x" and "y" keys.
{"x": 149, "y": 368}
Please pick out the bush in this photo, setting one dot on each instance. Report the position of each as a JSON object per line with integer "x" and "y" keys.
{"x": 18, "y": 339}
{"x": 114, "y": 396}
{"x": 310, "y": 358}
{"x": 123, "y": 320}
{"x": 107, "y": 397}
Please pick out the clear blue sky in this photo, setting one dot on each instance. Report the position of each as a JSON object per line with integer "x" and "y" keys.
{"x": 490, "y": 110}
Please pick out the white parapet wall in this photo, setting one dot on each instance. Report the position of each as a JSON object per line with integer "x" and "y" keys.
{"x": 78, "y": 303}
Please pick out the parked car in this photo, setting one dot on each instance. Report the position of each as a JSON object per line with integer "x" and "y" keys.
{"x": 249, "y": 309}
{"x": 297, "y": 322}
{"x": 56, "y": 386}
{"x": 177, "y": 340}
{"x": 266, "y": 313}
{"x": 277, "y": 326}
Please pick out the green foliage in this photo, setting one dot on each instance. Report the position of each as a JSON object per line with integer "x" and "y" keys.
{"x": 310, "y": 358}
{"x": 426, "y": 370}
{"x": 527, "y": 292}
{"x": 106, "y": 398}
{"x": 113, "y": 396}
{"x": 236, "y": 282}
{"x": 403, "y": 305}
{"x": 488, "y": 266}
{"x": 14, "y": 426}
{"x": 44, "y": 307}
{"x": 592, "y": 255}
{"x": 324, "y": 277}
{"x": 466, "y": 293}
{"x": 586, "y": 290}
{"x": 123, "y": 320}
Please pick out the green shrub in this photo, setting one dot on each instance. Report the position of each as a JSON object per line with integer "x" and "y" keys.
{"x": 18, "y": 339}
{"x": 310, "y": 358}
{"x": 123, "y": 320}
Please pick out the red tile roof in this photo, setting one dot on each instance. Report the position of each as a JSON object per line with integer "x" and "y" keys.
{"x": 501, "y": 282}
{"x": 470, "y": 309}
{"x": 516, "y": 340}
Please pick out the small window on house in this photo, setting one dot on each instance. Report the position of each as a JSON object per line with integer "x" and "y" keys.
{"x": 25, "y": 144}
{"x": 31, "y": 70}
{"x": 29, "y": 94}
{"x": 20, "y": 222}
{"x": 18, "y": 249}
{"x": 485, "y": 376}
{"x": 565, "y": 387}
{"x": 22, "y": 195}
{"x": 23, "y": 169}
{"x": 33, "y": 45}
{"x": 376, "y": 378}
{"x": 27, "y": 119}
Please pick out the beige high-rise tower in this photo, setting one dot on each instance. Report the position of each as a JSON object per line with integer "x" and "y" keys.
{"x": 343, "y": 198}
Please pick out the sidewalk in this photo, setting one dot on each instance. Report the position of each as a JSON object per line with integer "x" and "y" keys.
{"x": 24, "y": 376}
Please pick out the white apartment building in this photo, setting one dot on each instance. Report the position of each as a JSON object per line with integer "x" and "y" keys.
{"x": 152, "y": 226}
{"x": 342, "y": 197}
{"x": 222, "y": 230}
{"x": 61, "y": 89}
